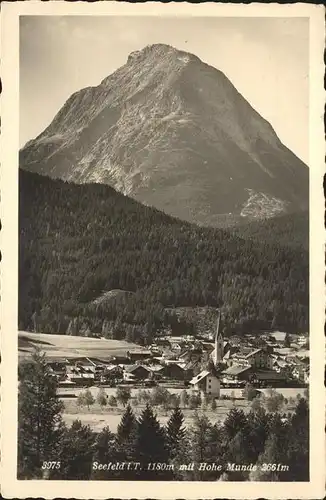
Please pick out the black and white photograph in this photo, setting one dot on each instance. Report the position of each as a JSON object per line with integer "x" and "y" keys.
{"x": 165, "y": 264}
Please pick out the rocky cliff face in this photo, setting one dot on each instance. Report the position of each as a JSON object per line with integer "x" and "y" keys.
{"x": 174, "y": 133}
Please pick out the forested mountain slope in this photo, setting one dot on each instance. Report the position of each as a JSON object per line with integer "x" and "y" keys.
{"x": 78, "y": 242}
{"x": 287, "y": 230}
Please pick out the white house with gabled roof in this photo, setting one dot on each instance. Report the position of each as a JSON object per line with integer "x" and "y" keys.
{"x": 206, "y": 383}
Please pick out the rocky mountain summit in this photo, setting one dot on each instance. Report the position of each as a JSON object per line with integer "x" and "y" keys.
{"x": 172, "y": 132}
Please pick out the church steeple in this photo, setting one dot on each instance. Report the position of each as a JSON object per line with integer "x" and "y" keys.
{"x": 219, "y": 342}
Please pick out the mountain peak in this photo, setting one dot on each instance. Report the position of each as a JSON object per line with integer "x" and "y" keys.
{"x": 158, "y": 49}
{"x": 159, "y": 52}
{"x": 174, "y": 133}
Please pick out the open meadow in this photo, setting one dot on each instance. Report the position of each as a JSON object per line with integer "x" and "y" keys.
{"x": 97, "y": 416}
{"x": 68, "y": 346}
{"x": 237, "y": 392}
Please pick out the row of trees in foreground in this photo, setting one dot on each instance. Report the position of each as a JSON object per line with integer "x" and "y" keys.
{"x": 47, "y": 448}
{"x": 159, "y": 396}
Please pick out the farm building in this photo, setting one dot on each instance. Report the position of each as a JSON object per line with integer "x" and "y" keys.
{"x": 235, "y": 374}
{"x": 176, "y": 372}
{"x": 262, "y": 377}
{"x": 137, "y": 372}
{"x": 301, "y": 373}
{"x": 112, "y": 371}
{"x": 268, "y": 377}
{"x": 156, "y": 371}
{"x": 120, "y": 360}
{"x": 279, "y": 337}
{"x": 80, "y": 374}
{"x": 302, "y": 340}
{"x": 279, "y": 364}
{"x": 139, "y": 355}
{"x": 161, "y": 342}
{"x": 57, "y": 368}
{"x": 257, "y": 358}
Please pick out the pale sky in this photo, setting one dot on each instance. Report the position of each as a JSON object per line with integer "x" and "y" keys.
{"x": 267, "y": 59}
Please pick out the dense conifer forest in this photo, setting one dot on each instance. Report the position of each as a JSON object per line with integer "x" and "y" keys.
{"x": 78, "y": 242}
{"x": 287, "y": 230}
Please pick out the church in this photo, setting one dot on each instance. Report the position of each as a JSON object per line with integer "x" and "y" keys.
{"x": 207, "y": 382}
{"x": 221, "y": 347}
{"x": 246, "y": 356}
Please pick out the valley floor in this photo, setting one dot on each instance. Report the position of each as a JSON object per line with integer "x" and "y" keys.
{"x": 60, "y": 347}
{"x": 97, "y": 416}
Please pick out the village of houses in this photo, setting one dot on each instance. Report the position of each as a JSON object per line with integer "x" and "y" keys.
{"x": 280, "y": 361}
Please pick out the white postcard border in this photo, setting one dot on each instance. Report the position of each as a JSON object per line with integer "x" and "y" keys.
{"x": 10, "y": 486}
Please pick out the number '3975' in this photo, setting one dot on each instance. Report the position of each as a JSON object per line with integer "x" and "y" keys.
{"x": 51, "y": 465}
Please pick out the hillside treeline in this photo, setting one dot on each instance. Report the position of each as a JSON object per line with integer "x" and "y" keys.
{"x": 78, "y": 242}
{"x": 277, "y": 447}
{"x": 288, "y": 230}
